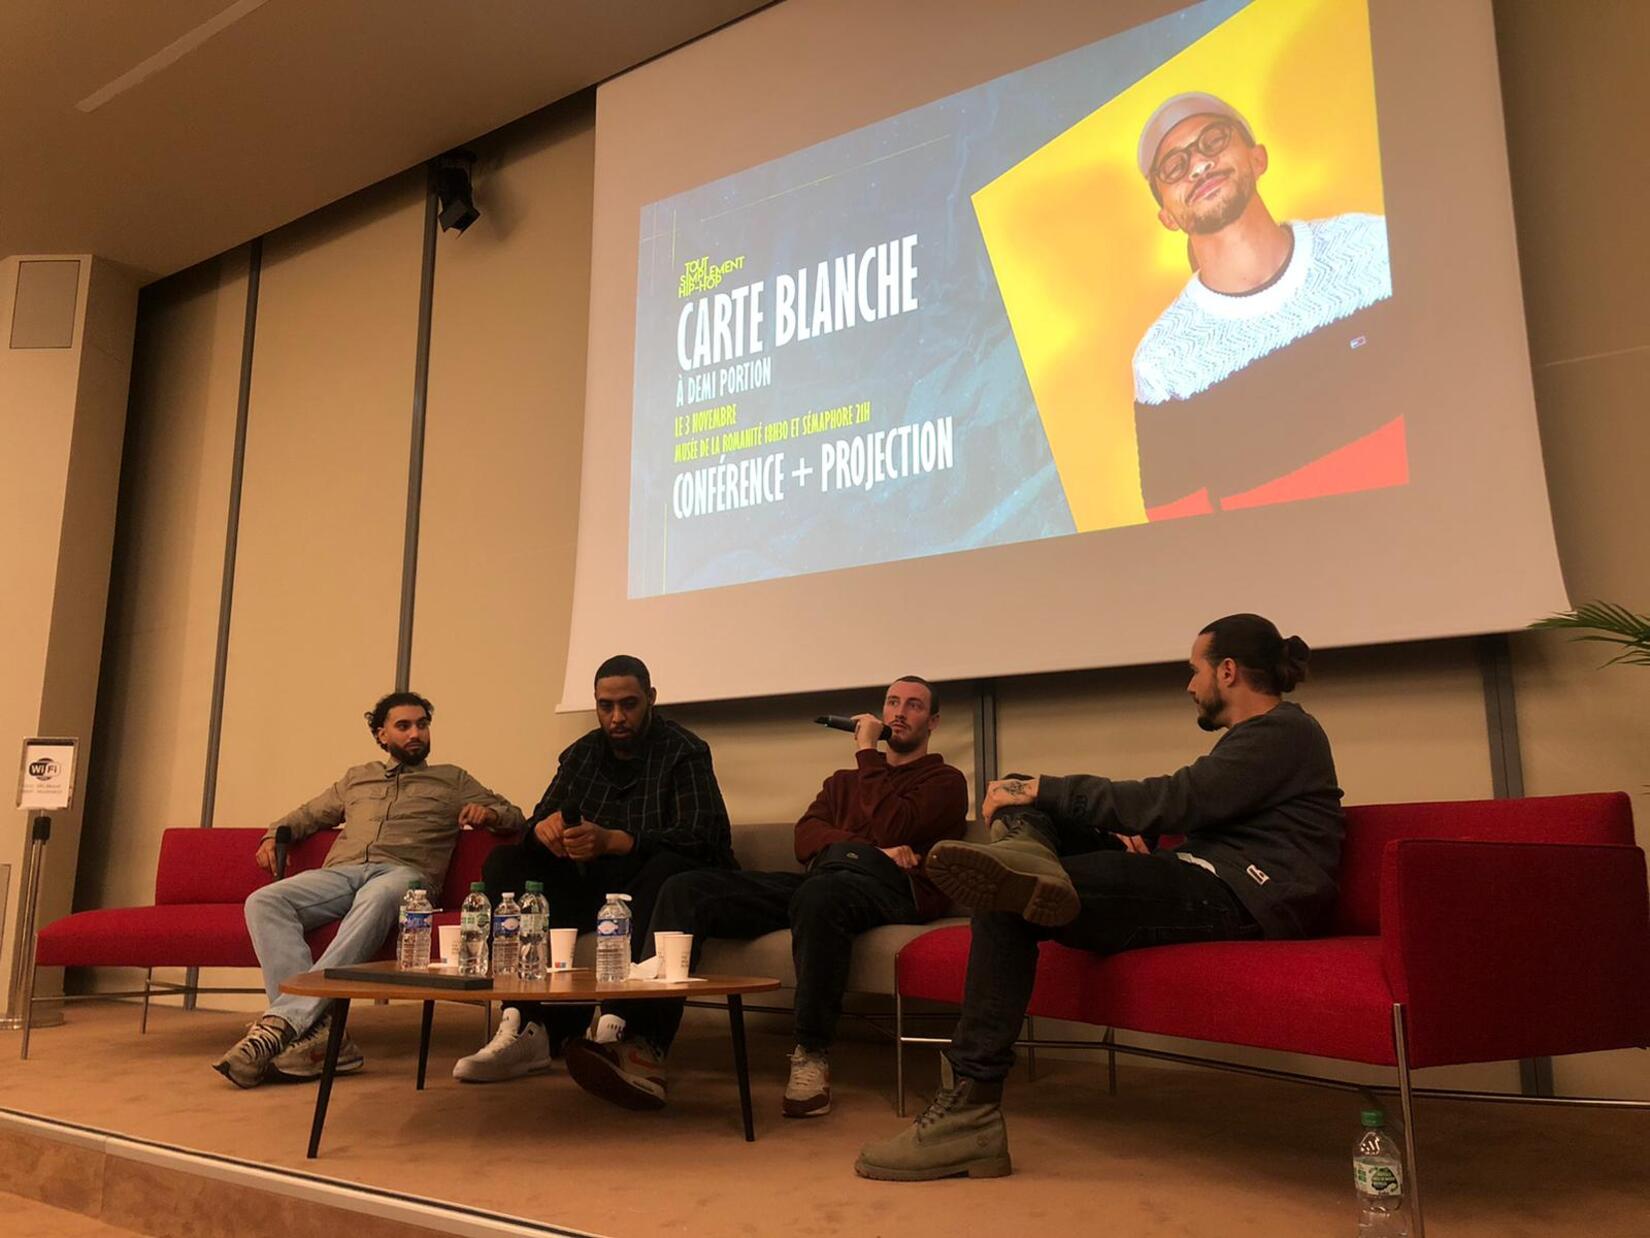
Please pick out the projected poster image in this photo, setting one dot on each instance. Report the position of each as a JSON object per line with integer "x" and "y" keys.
{"x": 1140, "y": 282}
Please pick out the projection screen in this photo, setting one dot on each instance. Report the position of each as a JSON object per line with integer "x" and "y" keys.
{"x": 979, "y": 340}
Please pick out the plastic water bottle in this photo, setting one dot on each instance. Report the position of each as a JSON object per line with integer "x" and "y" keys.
{"x": 613, "y": 940}
{"x": 1378, "y": 1175}
{"x": 416, "y": 917}
{"x": 506, "y": 937}
{"x": 474, "y": 920}
{"x": 535, "y": 924}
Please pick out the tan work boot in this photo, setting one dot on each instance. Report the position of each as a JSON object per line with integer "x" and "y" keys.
{"x": 961, "y": 1132}
{"x": 1019, "y": 870}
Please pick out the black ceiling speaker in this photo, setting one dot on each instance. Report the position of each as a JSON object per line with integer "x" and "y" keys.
{"x": 451, "y": 173}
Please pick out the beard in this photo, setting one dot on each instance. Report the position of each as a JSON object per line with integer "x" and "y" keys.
{"x": 1223, "y": 210}
{"x": 626, "y": 746}
{"x": 910, "y": 743}
{"x": 1208, "y": 711}
{"x": 414, "y": 754}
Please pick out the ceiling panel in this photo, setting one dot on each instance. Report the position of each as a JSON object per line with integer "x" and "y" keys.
{"x": 294, "y": 105}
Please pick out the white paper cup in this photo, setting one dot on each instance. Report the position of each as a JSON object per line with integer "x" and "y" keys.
{"x": 675, "y": 954}
{"x": 562, "y": 941}
{"x": 448, "y": 933}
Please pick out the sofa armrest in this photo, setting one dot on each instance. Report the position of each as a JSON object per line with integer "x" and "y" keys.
{"x": 1513, "y": 950}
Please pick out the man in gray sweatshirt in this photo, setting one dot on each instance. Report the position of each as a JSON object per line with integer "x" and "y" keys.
{"x": 1074, "y": 859}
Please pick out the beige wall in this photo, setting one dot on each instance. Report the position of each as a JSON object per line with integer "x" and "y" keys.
{"x": 501, "y": 469}
{"x": 320, "y": 550}
{"x": 62, "y": 413}
{"x": 159, "y": 649}
{"x": 323, "y": 504}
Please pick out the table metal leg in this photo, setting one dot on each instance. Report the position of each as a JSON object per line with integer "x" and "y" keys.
{"x": 736, "y": 1020}
{"x": 335, "y": 1040}
{"x": 424, "y": 1041}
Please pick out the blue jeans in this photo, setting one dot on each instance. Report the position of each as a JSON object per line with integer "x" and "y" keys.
{"x": 365, "y": 898}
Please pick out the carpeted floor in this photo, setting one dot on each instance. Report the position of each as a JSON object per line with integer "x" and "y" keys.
{"x": 1177, "y": 1153}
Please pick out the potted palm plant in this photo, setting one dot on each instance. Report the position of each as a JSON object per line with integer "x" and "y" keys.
{"x": 1609, "y": 624}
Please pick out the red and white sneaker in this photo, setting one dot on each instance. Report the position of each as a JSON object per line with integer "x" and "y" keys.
{"x": 629, "y": 1072}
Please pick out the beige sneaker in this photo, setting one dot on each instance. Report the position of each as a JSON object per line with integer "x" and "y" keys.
{"x": 808, "y": 1092}
{"x": 248, "y": 1063}
{"x": 1019, "y": 870}
{"x": 306, "y": 1057}
{"x": 961, "y": 1132}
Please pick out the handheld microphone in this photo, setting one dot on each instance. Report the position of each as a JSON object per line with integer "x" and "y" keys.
{"x": 283, "y": 841}
{"x": 838, "y": 723}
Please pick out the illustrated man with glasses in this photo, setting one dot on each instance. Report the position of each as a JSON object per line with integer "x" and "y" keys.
{"x": 1248, "y": 328}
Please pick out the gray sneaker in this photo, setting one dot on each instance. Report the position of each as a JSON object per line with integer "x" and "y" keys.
{"x": 247, "y": 1064}
{"x": 808, "y": 1091}
{"x": 306, "y": 1057}
{"x": 961, "y": 1132}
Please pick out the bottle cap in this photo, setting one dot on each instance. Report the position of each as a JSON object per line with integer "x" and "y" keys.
{"x": 508, "y": 894}
{"x": 478, "y": 887}
{"x": 535, "y": 887}
{"x": 1374, "y": 1117}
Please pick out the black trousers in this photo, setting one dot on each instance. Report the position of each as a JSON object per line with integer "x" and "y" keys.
{"x": 825, "y": 911}
{"x": 1128, "y": 901}
{"x": 575, "y": 891}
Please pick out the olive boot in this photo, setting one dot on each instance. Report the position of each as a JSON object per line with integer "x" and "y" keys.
{"x": 1019, "y": 870}
{"x": 961, "y": 1132}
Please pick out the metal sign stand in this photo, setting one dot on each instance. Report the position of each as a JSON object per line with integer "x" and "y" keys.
{"x": 22, "y": 959}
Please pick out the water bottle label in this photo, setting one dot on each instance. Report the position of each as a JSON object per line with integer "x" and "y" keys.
{"x": 1377, "y": 1178}
{"x": 506, "y": 925}
{"x": 473, "y": 921}
{"x": 613, "y": 928}
{"x": 418, "y": 921}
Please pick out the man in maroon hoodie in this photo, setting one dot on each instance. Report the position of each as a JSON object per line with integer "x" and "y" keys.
{"x": 862, "y": 842}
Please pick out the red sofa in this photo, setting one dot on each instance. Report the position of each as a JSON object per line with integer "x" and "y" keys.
{"x": 197, "y": 920}
{"x": 1475, "y": 931}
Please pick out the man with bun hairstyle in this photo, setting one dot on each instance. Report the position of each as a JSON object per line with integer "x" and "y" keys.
{"x": 1073, "y": 859}
{"x": 1239, "y": 382}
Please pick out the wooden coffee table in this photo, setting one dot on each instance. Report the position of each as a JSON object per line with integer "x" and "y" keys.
{"x": 578, "y": 987}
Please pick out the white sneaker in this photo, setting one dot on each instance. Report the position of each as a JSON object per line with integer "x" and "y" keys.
{"x": 513, "y": 1051}
{"x": 609, "y": 1029}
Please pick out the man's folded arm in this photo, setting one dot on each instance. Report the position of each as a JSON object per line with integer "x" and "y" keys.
{"x": 1240, "y": 777}
{"x": 470, "y": 791}
{"x": 321, "y": 813}
{"x": 818, "y": 828}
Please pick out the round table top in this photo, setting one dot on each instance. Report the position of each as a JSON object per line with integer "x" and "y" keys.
{"x": 578, "y": 986}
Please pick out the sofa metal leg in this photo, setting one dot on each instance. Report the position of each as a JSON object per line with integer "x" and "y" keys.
{"x": 1031, "y": 1050}
{"x": 1109, "y": 1040}
{"x": 27, "y": 1003}
{"x": 899, "y": 1052}
{"x": 1400, "y": 1044}
{"x": 148, "y": 986}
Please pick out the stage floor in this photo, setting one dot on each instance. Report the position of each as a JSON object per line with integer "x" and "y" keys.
{"x": 1175, "y": 1153}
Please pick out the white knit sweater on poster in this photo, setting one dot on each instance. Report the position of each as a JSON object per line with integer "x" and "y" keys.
{"x": 1339, "y": 266}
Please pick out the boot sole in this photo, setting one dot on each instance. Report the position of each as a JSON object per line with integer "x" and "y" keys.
{"x": 597, "y": 1077}
{"x": 987, "y": 1167}
{"x": 979, "y": 881}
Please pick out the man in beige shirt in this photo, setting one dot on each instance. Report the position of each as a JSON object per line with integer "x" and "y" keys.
{"x": 401, "y": 819}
